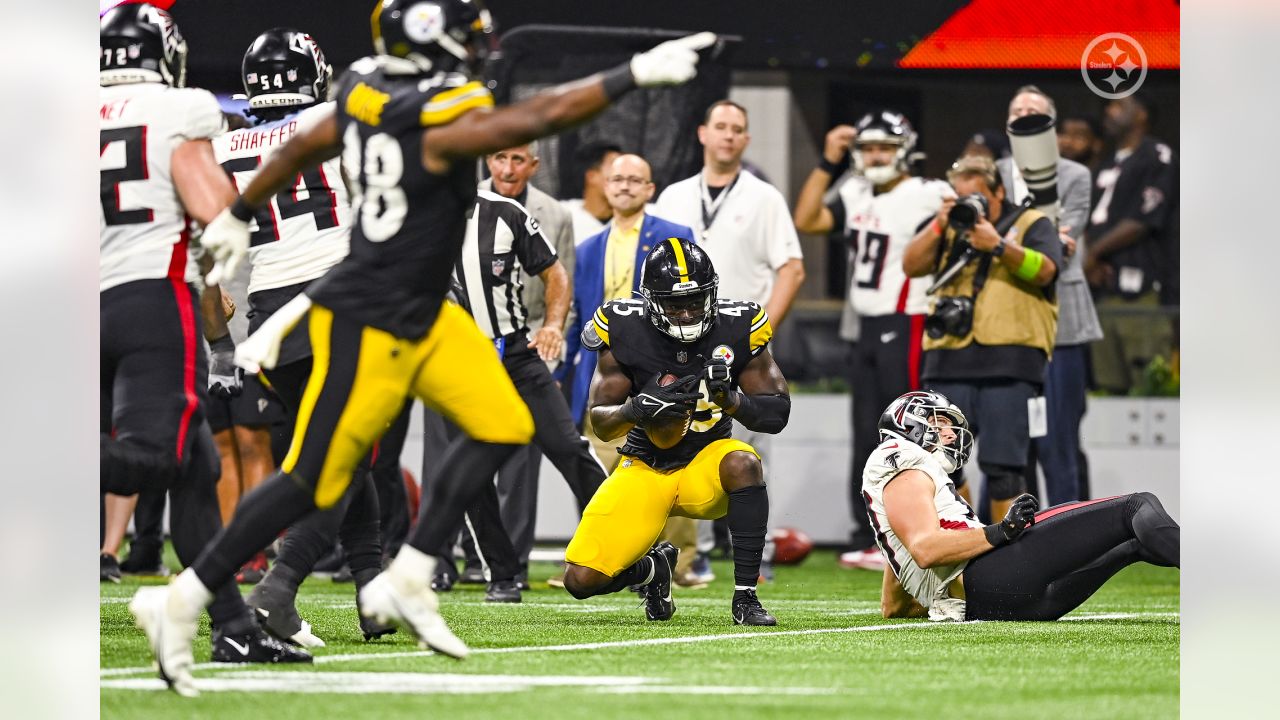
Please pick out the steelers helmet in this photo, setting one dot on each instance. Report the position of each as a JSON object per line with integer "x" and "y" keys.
{"x": 435, "y": 35}
{"x": 884, "y": 127}
{"x": 284, "y": 68}
{"x": 140, "y": 43}
{"x": 912, "y": 418}
{"x": 678, "y": 284}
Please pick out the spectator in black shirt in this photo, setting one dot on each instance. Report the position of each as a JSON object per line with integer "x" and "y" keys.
{"x": 1132, "y": 258}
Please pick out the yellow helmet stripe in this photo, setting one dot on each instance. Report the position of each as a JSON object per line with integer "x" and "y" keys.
{"x": 373, "y": 20}
{"x": 680, "y": 261}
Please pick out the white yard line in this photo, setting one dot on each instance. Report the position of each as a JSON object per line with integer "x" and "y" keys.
{"x": 689, "y": 639}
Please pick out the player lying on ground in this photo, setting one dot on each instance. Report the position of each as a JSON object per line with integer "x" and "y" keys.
{"x": 673, "y": 370}
{"x": 1029, "y": 566}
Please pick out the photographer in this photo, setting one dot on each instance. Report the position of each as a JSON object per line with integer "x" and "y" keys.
{"x": 994, "y": 317}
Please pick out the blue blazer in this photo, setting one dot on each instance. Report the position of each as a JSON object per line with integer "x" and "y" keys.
{"x": 588, "y": 294}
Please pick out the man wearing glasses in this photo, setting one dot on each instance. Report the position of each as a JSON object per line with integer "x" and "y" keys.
{"x": 608, "y": 268}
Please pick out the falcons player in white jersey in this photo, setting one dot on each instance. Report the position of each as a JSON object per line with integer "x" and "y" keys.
{"x": 1029, "y": 566}
{"x": 157, "y": 170}
{"x": 294, "y": 239}
{"x": 879, "y": 208}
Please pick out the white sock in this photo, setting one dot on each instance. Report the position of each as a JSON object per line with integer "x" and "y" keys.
{"x": 191, "y": 595}
{"x": 744, "y": 587}
{"x": 412, "y": 569}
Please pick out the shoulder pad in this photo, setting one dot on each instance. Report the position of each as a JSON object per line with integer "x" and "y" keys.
{"x": 759, "y": 330}
{"x": 445, "y": 104}
{"x": 595, "y": 332}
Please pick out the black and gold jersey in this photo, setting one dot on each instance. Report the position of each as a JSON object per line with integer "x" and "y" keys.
{"x": 408, "y": 222}
{"x": 740, "y": 332}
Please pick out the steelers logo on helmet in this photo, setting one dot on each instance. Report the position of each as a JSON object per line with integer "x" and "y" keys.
{"x": 723, "y": 352}
{"x": 424, "y": 22}
{"x": 883, "y": 128}
{"x": 679, "y": 285}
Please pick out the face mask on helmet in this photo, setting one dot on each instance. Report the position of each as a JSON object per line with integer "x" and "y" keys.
{"x": 951, "y": 453}
{"x": 685, "y": 316}
{"x": 880, "y": 174}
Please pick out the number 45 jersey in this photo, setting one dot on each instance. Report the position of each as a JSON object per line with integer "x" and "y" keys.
{"x": 741, "y": 331}
{"x": 878, "y": 229}
{"x": 408, "y": 222}
{"x": 302, "y": 231}
{"x": 143, "y": 225}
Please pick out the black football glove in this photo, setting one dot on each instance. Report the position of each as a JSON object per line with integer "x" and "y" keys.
{"x": 719, "y": 383}
{"x": 655, "y": 402}
{"x": 1021, "y": 515}
{"x": 225, "y": 379}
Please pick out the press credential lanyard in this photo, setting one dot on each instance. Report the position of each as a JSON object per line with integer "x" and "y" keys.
{"x": 711, "y": 208}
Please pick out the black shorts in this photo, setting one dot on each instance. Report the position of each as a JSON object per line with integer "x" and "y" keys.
{"x": 153, "y": 365}
{"x": 263, "y": 304}
{"x": 255, "y": 406}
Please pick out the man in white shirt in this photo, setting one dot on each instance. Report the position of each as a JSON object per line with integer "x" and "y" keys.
{"x": 745, "y": 226}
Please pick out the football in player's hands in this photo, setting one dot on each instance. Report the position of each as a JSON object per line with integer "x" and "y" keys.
{"x": 665, "y": 407}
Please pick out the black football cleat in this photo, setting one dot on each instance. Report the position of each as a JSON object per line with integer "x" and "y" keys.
{"x": 255, "y": 647}
{"x": 658, "y": 603}
{"x": 109, "y": 569}
{"x": 503, "y": 591}
{"x": 370, "y": 627}
{"x": 747, "y": 610}
{"x": 273, "y": 604}
{"x": 144, "y": 560}
{"x": 472, "y": 575}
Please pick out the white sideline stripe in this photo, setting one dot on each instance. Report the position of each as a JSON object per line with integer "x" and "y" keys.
{"x": 362, "y": 657}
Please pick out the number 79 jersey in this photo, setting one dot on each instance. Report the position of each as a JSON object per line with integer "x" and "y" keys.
{"x": 408, "y": 222}
{"x": 878, "y": 229}
{"x": 740, "y": 332}
{"x": 302, "y": 231}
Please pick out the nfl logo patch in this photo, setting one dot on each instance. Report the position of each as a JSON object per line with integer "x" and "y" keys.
{"x": 498, "y": 265}
{"x": 682, "y": 357}
{"x": 251, "y": 78}
{"x": 134, "y": 51}
{"x": 292, "y": 74}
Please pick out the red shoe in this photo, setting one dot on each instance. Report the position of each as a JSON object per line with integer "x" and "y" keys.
{"x": 253, "y": 571}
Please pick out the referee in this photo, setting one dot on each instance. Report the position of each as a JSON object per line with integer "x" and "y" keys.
{"x": 503, "y": 247}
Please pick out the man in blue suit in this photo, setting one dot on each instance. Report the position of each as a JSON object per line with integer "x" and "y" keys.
{"x": 608, "y": 268}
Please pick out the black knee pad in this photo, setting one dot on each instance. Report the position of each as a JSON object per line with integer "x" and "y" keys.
{"x": 127, "y": 469}
{"x": 1004, "y": 483}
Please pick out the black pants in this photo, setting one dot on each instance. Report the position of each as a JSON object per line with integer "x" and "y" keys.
{"x": 1070, "y": 551}
{"x": 154, "y": 376}
{"x": 886, "y": 364}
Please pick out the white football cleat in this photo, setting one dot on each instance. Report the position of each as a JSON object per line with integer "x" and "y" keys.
{"x": 170, "y": 635}
{"x": 416, "y": 610}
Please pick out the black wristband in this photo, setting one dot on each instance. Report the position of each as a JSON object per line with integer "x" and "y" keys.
{"x": 223, "y": 344}
{"x": 995, "y": 535}
{"x": 618, "y": 81}
{"x": 240, "y": 210}
{"x": 830, "y": 168}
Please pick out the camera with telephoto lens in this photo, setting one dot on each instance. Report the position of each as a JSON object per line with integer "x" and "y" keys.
{"x": 951, "y": 316}
{"x": 967, "y": 211}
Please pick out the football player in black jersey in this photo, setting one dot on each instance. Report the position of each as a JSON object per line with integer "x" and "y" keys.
{"x": 718, "y": 352}
{"x": 408, "y": 124}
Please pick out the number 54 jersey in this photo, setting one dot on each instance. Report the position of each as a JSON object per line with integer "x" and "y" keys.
{"x": 408, "y": 222}
{"x": 740, "y": 332}
{"x": 302, "y": 231}
{"x": 143, "y": 225}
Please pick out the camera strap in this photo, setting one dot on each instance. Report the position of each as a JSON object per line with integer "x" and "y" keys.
{"x": 984, "y": 265}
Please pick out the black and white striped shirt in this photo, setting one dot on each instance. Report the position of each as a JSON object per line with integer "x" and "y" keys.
{"x": 502, "y": 246}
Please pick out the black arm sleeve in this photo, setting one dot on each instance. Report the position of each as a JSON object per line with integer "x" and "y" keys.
{"x": 763, "y": 413}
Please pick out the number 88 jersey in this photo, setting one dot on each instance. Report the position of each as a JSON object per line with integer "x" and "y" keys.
{"x": 740, "y": 332}
{"x": 408, "y": 223}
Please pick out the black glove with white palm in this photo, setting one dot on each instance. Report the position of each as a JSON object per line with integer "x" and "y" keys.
{"x": 1021, "y": 515}
{"x": 225, "y": 379}
{"x": 719, "y": 381}
{"x": 662, "y": 402}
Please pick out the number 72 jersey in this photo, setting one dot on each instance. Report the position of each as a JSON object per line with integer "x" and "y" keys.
{"x": 741, "y": 332}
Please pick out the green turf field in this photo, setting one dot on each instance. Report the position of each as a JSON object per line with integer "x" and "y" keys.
{"x": 830, "y": 656}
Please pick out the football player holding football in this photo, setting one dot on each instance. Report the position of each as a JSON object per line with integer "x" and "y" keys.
{"x": 675, "y": 370}
{"x": 1031, "y": 565}
{"x": 408, "y": 123}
